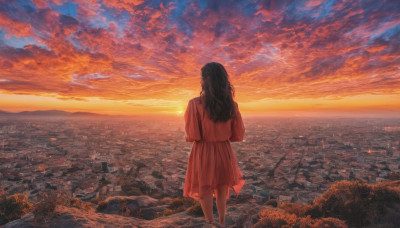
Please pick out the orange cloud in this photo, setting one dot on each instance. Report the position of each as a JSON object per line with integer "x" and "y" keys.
{"x": 138, "y": 50}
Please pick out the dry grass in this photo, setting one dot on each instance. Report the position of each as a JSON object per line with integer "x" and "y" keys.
{"x": 346, "y": 202}
{"x": 46, "y": 207}
{"x": 15, "y": 206}
{"x": 180, "y": 204}
{"x": 274, "y": 218}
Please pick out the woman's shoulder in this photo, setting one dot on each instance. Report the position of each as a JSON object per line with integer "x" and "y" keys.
{"x": 195, "y": 99}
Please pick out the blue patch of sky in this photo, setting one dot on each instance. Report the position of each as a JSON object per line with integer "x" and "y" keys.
{"x": 97, "y": 22}
{"x": 120, "y": 18}
{"x": 2, "y": 36}
{"x": 176, "y": 18}
{"x": 296, "y": 10}
{"x": 67, "y": 8}
{"x": 74, "y": 41}
{"x": 203, "y": 4}
{"x": 19, "y": 42}
{"x": 386, "y": 35}
{"x": 19, "y": 10}
{"x": 391, "y": 32}
{"x": 28, "y": 6}
{"x": 293, "y": 11}
{"x": 250, "y": 9}
{"x": 156, "y": 3}
{"x": 370, "y": 6}
{"x": 326, "y": 8}
{"x": 123, "y": 21}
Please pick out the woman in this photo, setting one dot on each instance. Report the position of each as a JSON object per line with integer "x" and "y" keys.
{"x": 212, "y": 121}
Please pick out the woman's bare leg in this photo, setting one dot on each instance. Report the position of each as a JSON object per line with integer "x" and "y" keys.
{"x": 207, "y": 207}
{"x": 221, "y": 203}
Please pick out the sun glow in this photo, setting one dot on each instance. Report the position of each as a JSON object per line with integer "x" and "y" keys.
{"x": 152, "y": 66}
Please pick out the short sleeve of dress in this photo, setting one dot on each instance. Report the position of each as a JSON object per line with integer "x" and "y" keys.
{"x": 192, "y": 123}
{"x": 237, "y": 126}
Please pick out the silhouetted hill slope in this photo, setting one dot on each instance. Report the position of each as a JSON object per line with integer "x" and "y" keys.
{"x": 44, "y": 113}
{"x": 5, "y": 113}
{"x": 85, "y": 114}
{"x": 59, "y": 113}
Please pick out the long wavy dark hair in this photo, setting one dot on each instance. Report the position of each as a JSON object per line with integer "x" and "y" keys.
{"x": 218, "y": 92}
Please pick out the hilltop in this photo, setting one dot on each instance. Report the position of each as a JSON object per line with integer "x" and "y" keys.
{"x": 345, "y": 204}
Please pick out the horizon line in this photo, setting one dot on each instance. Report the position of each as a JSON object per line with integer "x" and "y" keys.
{"x": 378, "y": 113}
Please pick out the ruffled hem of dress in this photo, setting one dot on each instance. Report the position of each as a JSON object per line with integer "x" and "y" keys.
{"x": 235, "y": 187}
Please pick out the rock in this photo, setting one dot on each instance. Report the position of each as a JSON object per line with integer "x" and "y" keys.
{"x": 260, "y": 199}
{"x": 67, "y": 217}
{"x": 3, "y": 220}
{"x": 151, "y": 212}
{"x": 264, "y": 193}
{"x": 136, "y": 206}
{"x": 228, "y": 220}
{"x": 73, "y": 217}
{"x": 146, "y": 201}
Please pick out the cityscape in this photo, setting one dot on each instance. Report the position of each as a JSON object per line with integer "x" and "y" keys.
{"x": 291, "y": 159}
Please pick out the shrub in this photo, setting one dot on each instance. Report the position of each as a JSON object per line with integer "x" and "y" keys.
{"x": 14, "y": 206}
{"x": 359, "y": 204}
{"x": 169, "y": 212}
{"x": 180, "y": 201}
{"x": 275, "y": 218}
{"x": 196, "y": 209}
{"x": 271, "y": 202}
{"x": 293, "y": 208}
{"x": 179, "y": 204}
{"x": 45, "y": 208}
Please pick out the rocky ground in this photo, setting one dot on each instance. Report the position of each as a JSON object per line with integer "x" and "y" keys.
{"x": 345, "y": 204}
{"x": 239, "y": 215}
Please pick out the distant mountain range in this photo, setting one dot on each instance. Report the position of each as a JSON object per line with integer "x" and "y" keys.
{"x": 49, "y": 113}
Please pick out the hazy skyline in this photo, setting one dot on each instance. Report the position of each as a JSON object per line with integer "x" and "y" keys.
{"x": 132, "y": 56}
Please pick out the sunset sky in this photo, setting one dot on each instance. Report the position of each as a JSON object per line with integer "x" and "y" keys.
{"x": 144, "y": 57}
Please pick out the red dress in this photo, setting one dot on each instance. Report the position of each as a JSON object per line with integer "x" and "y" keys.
{"x": 212, "y": 162}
